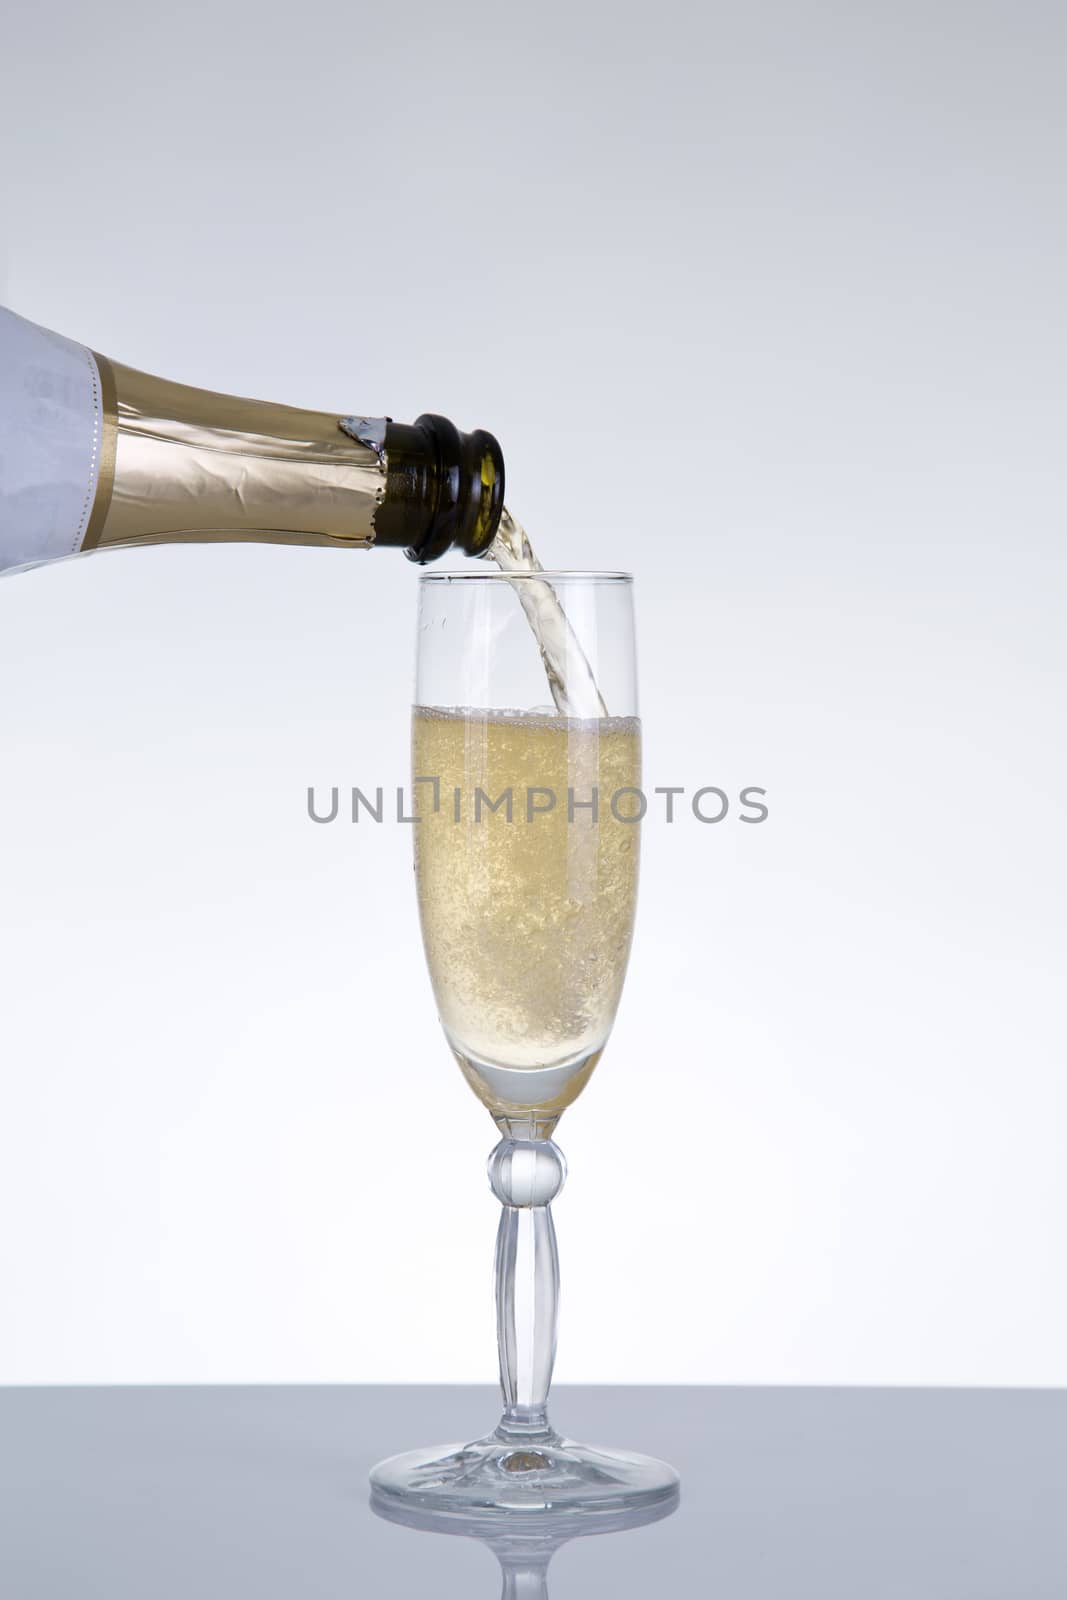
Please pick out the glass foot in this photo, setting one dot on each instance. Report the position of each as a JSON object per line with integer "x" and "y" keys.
{"x": 523, "y": 1481}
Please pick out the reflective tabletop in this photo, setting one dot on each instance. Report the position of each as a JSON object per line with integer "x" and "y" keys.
{"x": 204, "y": 1492}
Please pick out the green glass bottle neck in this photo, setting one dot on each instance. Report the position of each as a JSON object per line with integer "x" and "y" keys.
{"x": 443, "y": 489}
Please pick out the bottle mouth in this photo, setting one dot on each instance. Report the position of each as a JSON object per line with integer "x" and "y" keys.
{"x": 470, "y": 490}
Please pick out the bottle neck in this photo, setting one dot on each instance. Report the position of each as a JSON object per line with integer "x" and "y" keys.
{"x": 189, "y": 465}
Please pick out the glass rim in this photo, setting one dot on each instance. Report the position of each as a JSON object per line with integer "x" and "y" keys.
{"x": 552, "y": 575}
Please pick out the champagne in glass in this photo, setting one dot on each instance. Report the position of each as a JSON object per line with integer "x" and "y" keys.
{"x": 527, "y": 902}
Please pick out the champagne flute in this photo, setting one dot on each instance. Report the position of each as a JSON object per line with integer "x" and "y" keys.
{"x": 526, "y": 861}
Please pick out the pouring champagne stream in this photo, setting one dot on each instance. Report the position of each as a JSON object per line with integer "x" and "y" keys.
{"x": 570, "y": 677}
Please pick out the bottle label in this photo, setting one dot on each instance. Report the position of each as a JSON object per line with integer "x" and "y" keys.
{"x": 53, "y": 444}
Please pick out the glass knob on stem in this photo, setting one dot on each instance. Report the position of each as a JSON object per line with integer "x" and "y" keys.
{"x": 527, "y": 1172}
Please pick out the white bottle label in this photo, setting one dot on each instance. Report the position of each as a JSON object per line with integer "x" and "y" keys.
{"x": 51, "y": 431}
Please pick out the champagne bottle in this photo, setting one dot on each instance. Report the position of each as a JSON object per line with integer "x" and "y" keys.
{"x": 95, "y": 456}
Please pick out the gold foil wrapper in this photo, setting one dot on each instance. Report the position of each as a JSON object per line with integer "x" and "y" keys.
{"x": 189, "y": 465}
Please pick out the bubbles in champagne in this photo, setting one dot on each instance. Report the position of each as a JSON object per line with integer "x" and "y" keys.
{"x": 527, "y": 889}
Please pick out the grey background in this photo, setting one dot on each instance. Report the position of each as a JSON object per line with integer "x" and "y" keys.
{"x": 765, "y": 303}
{"x": 223, "y": 1492}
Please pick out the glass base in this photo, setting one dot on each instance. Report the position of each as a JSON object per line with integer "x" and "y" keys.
{"x": 524, "y": 1483}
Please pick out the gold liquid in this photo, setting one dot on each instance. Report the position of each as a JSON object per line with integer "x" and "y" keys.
{"x": 570, "y": 677}
{"x": 526, "y": 923}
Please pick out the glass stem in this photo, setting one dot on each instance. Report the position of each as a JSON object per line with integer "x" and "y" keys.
{"x": 525, "y": 1578}
{"x": 526, "y": 1175}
